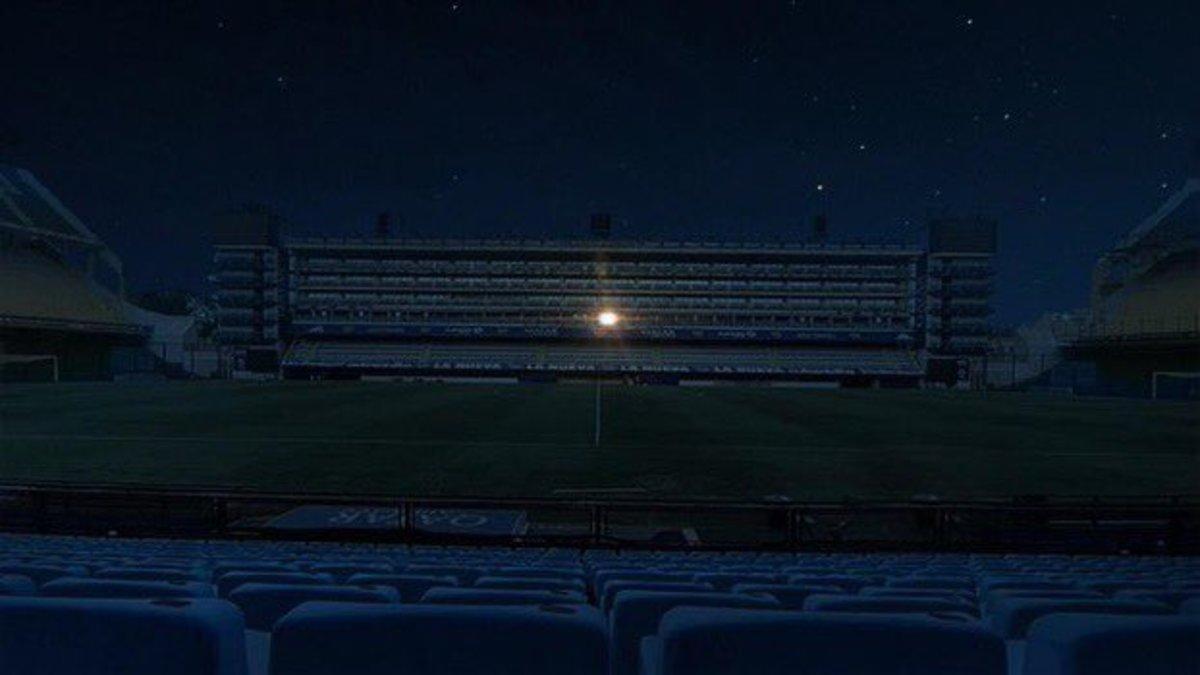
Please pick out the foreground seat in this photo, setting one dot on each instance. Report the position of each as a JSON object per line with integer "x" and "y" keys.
{"x": 73, "y": 587}
{"x": 635, "y": 615}
{"x": 1011, "y": 617}
{"x": 264, "y": 604}
{"x": 703, "y": 641}
{"x": 323, "y": 638}
{"x": 53, "y": 636}
{"x": 1082, "y": 644}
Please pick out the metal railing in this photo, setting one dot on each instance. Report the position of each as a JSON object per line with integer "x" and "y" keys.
{"x": 1158, "y": 525}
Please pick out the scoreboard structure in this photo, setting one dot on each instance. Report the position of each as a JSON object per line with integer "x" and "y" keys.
{"x": 555, "y": 309}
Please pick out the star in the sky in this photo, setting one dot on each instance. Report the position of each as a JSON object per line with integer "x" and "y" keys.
{"x": 862, "y": 146}
{"x": 1164, "y": 185}
{"x": 820, "y": 187}
{"x": 1164, "y": 136}
{"x": 970, "y": 21}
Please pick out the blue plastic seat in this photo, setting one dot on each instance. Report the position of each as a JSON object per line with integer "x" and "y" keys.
{"x": 150, "y": 574}
{"x": 931, "y": 582}
{"x": 411, "y": 587}
{"x": 1011, "y": 617}
{"x": 704, "y": 641}
{"x": 1022, "y": 583}
{"x": 947, "y": 607}
{"x": 1111, "y": 586}
{"x": 602, "y": 578}
{"x": 497, "y": 596}
{"x": 723, "y": 581}
{"x": 17, "y": 584}
{"x": 848, "y": 583}
{"x": 56, "y": 636}
{"x": 40, "y": 574}
{"x": 787, "y": 595}
{"x": 1171, "y": 598}
{"x": 531, "y": 583}
{"x": 613, "y": 587}
{"x": 342, "y": 571}
{"x": 543, "y": 571}
{"x": 889, "y": 592}
{"x": 322, "y": 638}
{"x": 86, "y": 587}
{"x": 264, "y": 604}
{"x": 635, "y": 614}
{"x": 226, "y": 566}
{"x": 231, "y": 580}
{"x": 1088, "y": 644}
{"x": 465, "y": 574}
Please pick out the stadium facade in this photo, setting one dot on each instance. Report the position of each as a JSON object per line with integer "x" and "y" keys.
{"x": 61, "y": 289}
{"x": 64, "y": 314}
{"x": 1143, "y": 337}
{"x": 862, "y": 314}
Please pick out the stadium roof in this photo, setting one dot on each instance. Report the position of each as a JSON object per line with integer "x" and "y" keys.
{"x": 27, "y": 206}
{"x": 1181, "y": 210}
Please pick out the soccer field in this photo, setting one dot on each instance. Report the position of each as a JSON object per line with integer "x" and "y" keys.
{"x": 537, "y": 440}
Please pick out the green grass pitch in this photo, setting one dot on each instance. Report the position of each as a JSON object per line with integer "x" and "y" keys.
{"x": 536, "y": 440}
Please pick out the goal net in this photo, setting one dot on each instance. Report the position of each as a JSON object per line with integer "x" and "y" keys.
{"x": 28, "y": 368}
{"x": 1176, "y": 386}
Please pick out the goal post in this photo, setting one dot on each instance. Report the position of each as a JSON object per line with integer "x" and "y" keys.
{"x": 28, "y": 368}
{"x": 1175, "y": 384}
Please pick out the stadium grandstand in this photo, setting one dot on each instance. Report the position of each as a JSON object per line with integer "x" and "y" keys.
{"x": 862, "y": 314}
{"x": 63, "y": 310}
{"x": 1144, "y": 334}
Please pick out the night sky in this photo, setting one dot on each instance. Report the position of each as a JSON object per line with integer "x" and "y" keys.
{"x": 1068, "y": 122}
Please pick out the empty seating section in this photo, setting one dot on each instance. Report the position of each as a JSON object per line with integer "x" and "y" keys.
{"x": 79, "y": 605}
{"x": 452, "y": 358}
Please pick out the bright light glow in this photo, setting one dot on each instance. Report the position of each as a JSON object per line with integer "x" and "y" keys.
{"x": 608, "y": 319}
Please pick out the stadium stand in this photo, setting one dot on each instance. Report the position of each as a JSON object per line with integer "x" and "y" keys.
{"x": 63, "y": 311}
{"x": 626, "y": 611}
{"x": 1145, "y": 307}
{"x": 551, "y": 309}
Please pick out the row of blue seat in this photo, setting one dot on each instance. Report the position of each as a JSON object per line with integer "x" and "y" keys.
{"x": 339, "y": 594}
{"x": 206, "y": 637}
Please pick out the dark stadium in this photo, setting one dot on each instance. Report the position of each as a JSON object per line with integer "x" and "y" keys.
{"x": 605, "y": 338}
